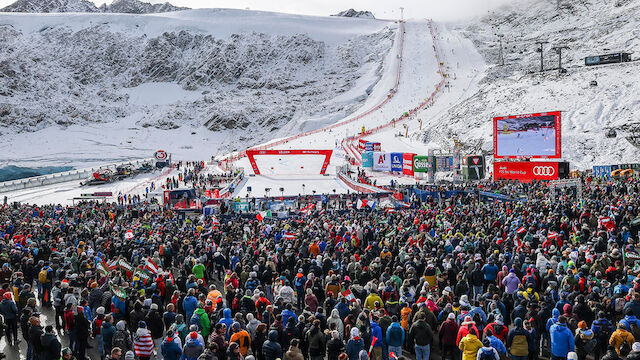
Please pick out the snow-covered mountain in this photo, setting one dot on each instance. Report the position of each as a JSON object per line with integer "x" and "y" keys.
{"x": 62, "y": 6}
{"x": 199, "y": 71}
{"x": 357, "y": 14}
{"x": 586, "y": 28}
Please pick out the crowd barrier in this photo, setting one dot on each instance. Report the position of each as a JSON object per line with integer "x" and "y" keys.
{"x": 77, "y": 174}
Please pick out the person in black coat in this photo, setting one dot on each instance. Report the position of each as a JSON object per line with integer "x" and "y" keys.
{"x": 334, "y": 346}
{"x": 83, "y": 327}
{"x": 154, "y": 322}
{"x": 50, "y": 344}
{"x": 34, "y": 333}
{"x": 271, "y": 349}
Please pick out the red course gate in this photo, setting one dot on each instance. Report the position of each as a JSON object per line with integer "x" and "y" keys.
{"x": 251, "y": 153}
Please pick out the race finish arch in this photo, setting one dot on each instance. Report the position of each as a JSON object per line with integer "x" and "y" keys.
{"x": 251, "y": 154}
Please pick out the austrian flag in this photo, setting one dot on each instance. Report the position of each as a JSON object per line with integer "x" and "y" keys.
{"x": 521, "y": 230}
{"x": 289, "y": 236}
{"x": 151, "y": 266}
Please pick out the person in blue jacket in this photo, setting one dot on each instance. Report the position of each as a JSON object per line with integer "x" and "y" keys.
{"x": 490, "y": 272}
{"x": 189, "y": 304}
{"x": 562, "y": 341}
{"x": 630, "y": 318}
{"x": 227, "y": 321}
{"x": 395, "y": 337}
{"x": 170, "y": 348}
{"x": 355, "y": 344}
{"x": 376, "y": 331}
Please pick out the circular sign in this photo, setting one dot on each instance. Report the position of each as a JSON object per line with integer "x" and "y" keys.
{"x": 160, "y": 155}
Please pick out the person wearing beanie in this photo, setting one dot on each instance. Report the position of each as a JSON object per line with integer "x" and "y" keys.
{"x": 621, "y": 339}
{"x": 448, "y": 334}
{"x": 602, "y": 329}
{"x": 129, "y": 355}
{"x": 170, "y": 348}
{"x": 193, "y": 348}
{"x": 519, "y": 341}
{"x": 201, "y": 319}
{"x": 562, "y": 340}
{"x": 142, "y": 342}
{"x": 635, "y": 352}
{"x": 294, "y": 352}
{"x": 422, "y": 336}
{"x": 467, "y": 325}
{"x": 395, "y": 337}
{"x": 496, "y": 343}
{"x": 585, "y": 341}
{"x": 50, "y": 344}
{"x": 122, "y": 338}
{"x": 241, "y": 337}
{"x": 355, "y": 344}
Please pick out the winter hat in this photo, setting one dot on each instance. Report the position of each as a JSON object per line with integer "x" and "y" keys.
{"x": 129, "y": 355}
{"x": 355, "y": 333}
{"x": 142, "y": 324}
{"x": 451, "y": 316}
{"x": 100, "y": 310}
{"x": 7, "y": 295}
{"x": 517, "y": 322}
{"x": 363, "y": 355}
{"x": 120, "y": 325}
{"x": 635, "y": 346}
{"x": 582, "y": 324}
{"x": 154, "y": 306}
{"x": 193, "y": 335}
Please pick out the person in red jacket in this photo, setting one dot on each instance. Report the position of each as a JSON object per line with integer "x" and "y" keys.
{"x": 448, "y": 335}
{"x": 497, "y": 329}
{"x": 467, "y": 325}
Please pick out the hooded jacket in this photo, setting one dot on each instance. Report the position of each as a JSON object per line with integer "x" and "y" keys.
{"x": 170, "y": 349}
{"x": 519, "y": 340}
{"x": 204, "y": 322}
{"x": 271, "y": 349}
{"x": 355, "y": 344}
{"x": 555, "y": 314}
{"x": 470, "y": 346}
{"x": 376, "y": 331}
{"x": 189, "y": 305}
{"x": 107, "y": 330}
{"x": 511, "y": 283}
{"x": 562, "y": 341}
{"x": 448, "y": 333}
{"x": 121, "y": 337}
{"x": 421, "y": 333}
{"x": 395, "y": 335}
{"x": 192, "y": 349}
{"x": 227, "y": 320}
{"x": 334, "y": 318}
{"x": 50, "y": 347}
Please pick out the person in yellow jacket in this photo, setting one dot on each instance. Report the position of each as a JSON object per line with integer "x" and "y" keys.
{"x": 469, "y": 345}
{"x": 370, "y": 301}
{"x": 621, "y": 336}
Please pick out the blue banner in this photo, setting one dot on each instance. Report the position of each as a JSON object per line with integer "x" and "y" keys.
{"x": 396, "y": 162}
{"x": 367, "y": 159}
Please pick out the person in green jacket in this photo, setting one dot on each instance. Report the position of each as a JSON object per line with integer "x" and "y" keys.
{"x": 204, "y": 320}
{"x": 198, "y": 270}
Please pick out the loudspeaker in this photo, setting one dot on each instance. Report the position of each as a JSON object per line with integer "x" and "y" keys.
{"x": 563, "y": 170}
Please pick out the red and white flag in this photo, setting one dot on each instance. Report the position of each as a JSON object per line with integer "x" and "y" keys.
{"x": 448, "y": 210}
{"x": 307, "y": 209}
{"x": 361, "y": 203}
{"x": 552, "y": 235}
{"x": 404, "y": 204}
{"x": 322, "y": 211}
{"x": 521, "y": 230}
{"x": 607, "y": 223}
{"x": 151, "y": 266}
{"x": 349, "y": 295}
{"x": 289, "y": 236}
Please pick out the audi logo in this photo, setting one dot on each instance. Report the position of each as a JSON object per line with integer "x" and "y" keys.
{"x": 543, "y": 170}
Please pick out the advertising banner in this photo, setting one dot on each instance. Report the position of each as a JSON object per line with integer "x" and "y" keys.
{"x": 527, "y": 136}
{"x": 368, "y": 146}
{"x": 525, "y": 171}
{"x": 361, "y": 144}
{"x": 367, "y": 159}
{"x": 407, "y": 163}
{"x": 381, "y": 161}
{"x": 475, "y": 167}
{"x": 396, "y": 162}
{"x": 377, "y": 146}
{"x": 422, "y": 164}
{"x": 444, "y": 163}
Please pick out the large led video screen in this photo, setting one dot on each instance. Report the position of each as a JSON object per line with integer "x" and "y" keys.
{"x": 527, "y": 136}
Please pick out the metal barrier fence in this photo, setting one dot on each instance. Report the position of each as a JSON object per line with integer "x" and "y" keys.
{"x": 77, "y": 174}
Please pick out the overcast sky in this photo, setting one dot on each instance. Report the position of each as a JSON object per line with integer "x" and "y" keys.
{"x": 436, "y": 9}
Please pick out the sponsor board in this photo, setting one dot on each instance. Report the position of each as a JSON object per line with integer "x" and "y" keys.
{"x": 422, "y": 164}
{"x": 525, "y": 171}
{"x": 367, "y": 159}
{"x": 381, "y": 161}
{"x": 407, "y": 163}
{"x": 396, "y": 162}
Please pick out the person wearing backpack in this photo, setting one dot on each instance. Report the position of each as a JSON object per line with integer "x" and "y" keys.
{"x": 45, "y": 276}
{"x": 622, "y": 340}
{"x": 518, "y": 341}
{"x": 585, "y": 341}
{"x": 602, "y": 329}
{"x": 487, "y": 352}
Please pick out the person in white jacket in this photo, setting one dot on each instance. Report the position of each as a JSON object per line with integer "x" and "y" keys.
{"x": 487, "y": 352}
{"x": 287, "y": 294}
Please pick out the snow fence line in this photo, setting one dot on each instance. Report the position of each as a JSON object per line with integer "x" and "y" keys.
{"x": 77, "y": 174}
{"x": 348, "y": 142}
{"x": 240, "y": 155}
{"x": 356, "y": 186}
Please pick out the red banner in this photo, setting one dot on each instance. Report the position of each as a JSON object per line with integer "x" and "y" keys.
{"x": 407, "y": 163}
{"x": 252, "y": 153}
{"x": 525, "y": 171}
